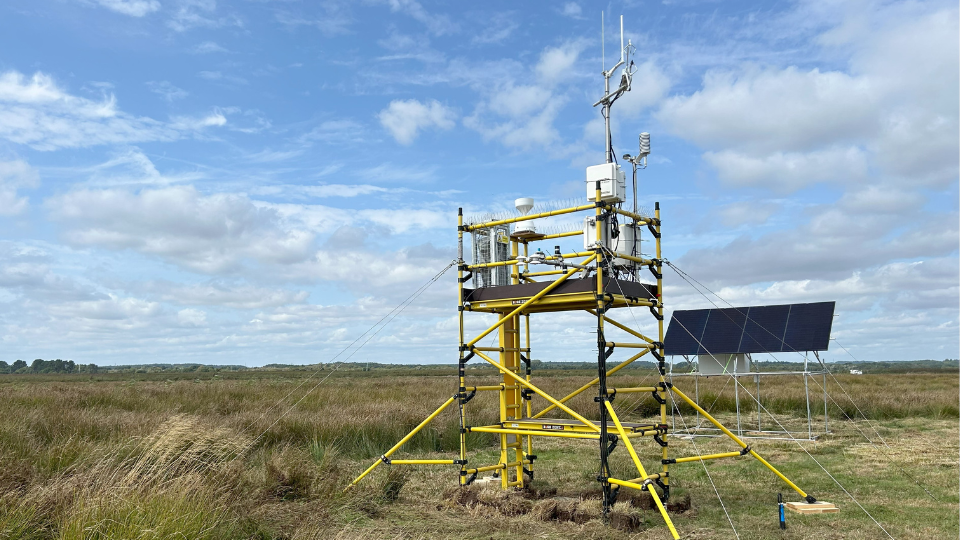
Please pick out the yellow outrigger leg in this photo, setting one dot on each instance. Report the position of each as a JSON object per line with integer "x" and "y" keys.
{"x": 742, "y": 444}
{"x": 643, "y": 473}
{"x": 385, "y": 457}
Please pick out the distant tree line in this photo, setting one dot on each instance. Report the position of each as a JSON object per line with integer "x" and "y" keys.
{"x": 47, "y": 366}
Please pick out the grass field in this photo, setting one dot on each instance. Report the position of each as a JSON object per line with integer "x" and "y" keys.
{"x": 203, "y": 455}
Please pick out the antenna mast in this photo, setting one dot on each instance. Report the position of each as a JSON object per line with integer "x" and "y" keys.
{"x": 626, "y": 78}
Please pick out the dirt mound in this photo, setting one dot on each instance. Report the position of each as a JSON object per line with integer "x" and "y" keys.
{"x": 628, "y": 515}
{"x": 508, "y": 503}
{"x": 644, "y": 501}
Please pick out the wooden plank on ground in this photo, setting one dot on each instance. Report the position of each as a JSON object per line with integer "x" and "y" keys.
{"x": 819, "y": 507}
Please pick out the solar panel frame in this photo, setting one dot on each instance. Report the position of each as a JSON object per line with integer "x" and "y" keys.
{"x": 753, "y": 329}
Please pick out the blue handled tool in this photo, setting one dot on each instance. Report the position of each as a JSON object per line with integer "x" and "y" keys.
{"x": 783, "y": 518}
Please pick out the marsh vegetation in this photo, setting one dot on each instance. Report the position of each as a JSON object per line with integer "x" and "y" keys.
{"x": 236, "y": 455}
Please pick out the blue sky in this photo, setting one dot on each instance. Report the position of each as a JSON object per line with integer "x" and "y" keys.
{"x": 257, "y": 182}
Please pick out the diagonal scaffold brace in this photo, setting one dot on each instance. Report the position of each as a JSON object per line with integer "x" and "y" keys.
{"x": 743, "y": 445}
{"x": 385, "y": 458}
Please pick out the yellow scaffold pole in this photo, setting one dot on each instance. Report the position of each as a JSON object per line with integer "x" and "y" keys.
{"x": 540, "y": 392}
{"x": 532, "y": 300}
{"x": 739, "y": 441}
{"x": 587, "y": 386}
{"x": 640, "y": 469}
{"x": 402, "y": 442}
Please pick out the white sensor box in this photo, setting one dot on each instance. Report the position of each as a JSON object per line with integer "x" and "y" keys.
{"x": 613, "y": 183}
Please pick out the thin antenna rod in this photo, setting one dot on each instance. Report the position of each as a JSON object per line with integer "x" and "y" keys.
{"x": 603, "y": 51}
{"x": 621, "y": 37}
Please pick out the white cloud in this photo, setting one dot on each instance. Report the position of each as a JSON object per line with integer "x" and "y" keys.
{"x": 528, "y": 130}
{"x": 331, "y": 23}
{"x": 37, "y": 113}
{"x": 324, "y": 190}
{"x": 404, "y": 119}
{"x": 746, "y": 213}
{"x": 650, "y": 85}
{"x": 556, "y": 63}
{"x": 773, "y": 110}
{"x": 199, "y": 14}
{"x": 227, "y": 295}
{"x": 129, "y": 312}
{"x": 15, "y": 175}
{"x": 437, "y": 24}
{"x": 131, "y": 167}
{"x": 789, "y": 171}
{"x": 864, "y": 229}
{"x": 208, "y": 234}
{"x": 522, "y": 115}
{"x": 167, "y": 91}
{"x": 192, "y": 317}
{"x": 498, "y": 28}
{"x": 221, "y": 77}
{"x": 344, "y": 131}
{"x": 572, "y": 9}
{"x": 382, "y": 270}
{"x": 892, "y": 111}
{"x": 133, "y": 8}
{"x": 208, "y": 47}
{"x": 186, "y": 123}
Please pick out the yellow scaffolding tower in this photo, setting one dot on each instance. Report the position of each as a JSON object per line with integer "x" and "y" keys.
{"x": 514, "y": 303}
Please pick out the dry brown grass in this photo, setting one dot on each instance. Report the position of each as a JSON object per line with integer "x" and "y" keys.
{"x": 143, "y": 458}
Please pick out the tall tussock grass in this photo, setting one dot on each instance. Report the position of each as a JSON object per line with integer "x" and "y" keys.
{"x": 186, "y": 479}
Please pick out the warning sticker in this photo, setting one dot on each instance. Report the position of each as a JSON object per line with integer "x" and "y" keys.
{"x": 553, "y": 427}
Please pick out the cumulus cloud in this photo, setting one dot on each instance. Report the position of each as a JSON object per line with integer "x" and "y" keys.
{"x": 892, "y": 109}
{"x": 788, "y": 171}
{"x": 881, "y": 132}
{"x": 746, "y": 213}
{"x": 522, "y": 114}
{"x": 404, "y": 119}
{"x": 864, "y": 229}
{"x": 204, "y": 233}
{"x": 192, "y": 317}
{"x": 15, "y": 175}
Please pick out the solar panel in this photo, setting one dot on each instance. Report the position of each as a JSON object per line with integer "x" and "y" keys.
{"x": 765, "y": 327}
{"x": 808, "y": 328}
{"x": 756, "y": 329}
{"x": 724, "y": 330}
{"x": 686, "y": 328}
